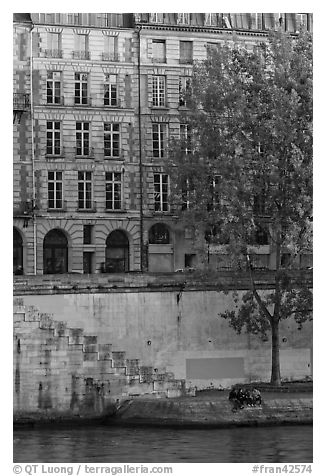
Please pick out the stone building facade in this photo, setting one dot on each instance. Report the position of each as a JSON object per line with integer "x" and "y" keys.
{"x": 96, "y": 99}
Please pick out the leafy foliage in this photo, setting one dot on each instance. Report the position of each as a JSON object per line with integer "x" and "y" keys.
{"x": 248, "y": 177}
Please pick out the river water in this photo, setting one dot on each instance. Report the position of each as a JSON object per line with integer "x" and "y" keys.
{"x": 103, "y": 444}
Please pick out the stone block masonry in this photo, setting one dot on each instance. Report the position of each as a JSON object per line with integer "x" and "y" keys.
{"x": 132, "y": 335}
{"x": 62, "y": 373}
{"x": 212, "y": 413}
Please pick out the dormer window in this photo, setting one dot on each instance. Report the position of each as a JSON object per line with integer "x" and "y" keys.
{"x": 183, "y": 19}
{"x": 156, "y": 17}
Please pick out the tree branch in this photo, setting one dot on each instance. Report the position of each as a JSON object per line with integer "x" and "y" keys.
{"x": 255, "y": 293}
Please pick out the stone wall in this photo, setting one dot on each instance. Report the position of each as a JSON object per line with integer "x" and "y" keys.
{"x": 63, "y": 372}
{"x": 78, "y": 351}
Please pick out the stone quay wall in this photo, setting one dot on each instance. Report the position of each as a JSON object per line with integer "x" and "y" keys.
{"x": 82, "y": 345}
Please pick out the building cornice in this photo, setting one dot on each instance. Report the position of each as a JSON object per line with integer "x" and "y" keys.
{"x": 201, "y": 29}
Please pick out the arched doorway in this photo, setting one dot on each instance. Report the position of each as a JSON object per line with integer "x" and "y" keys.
{"x": 55, "y": 253}
{"x": 18, "y": 253}
{"x": 117, "y": 252}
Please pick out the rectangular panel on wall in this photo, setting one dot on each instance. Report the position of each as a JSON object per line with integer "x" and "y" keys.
{"x": 215, "y": 368}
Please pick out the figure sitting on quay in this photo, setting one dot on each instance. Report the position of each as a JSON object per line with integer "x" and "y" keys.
{"x": 241, "y": 397}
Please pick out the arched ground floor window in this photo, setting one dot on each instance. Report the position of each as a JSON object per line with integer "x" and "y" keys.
{"x": 18, "y": 253}
{"x": 117, "y": 252}
{"x": 55, "y": 253}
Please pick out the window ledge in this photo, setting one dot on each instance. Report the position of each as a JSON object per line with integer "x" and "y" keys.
{"x": 165, "y": 108}
{"x": 108, "y": 210}
{"x": 86, "y": 210}
{"x": 56, "y": 210}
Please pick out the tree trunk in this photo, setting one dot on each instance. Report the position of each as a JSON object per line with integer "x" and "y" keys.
{"x": 276, "y": 371}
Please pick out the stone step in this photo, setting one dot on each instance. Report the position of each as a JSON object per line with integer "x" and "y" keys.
{"x": 119, "y": 359}
{"x": 132, "y": 367}
{"x": 19, "y": 317}
{"x": 92, "y": 348}
{"x": 46, "y": 321}
{"x": 32, "y": 314}
{"x": 146, "y": 374}
{"x": 75, "y": 335}
{"x": 60, "y": 329}
{"x": 88, "y": 340}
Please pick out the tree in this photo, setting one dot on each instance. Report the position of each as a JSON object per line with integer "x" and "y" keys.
{"x": 246, "y": 180}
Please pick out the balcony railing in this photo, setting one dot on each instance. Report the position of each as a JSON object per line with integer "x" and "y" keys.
{"x": 21, "y": 102}
{"x": 110, "y": 57}
{"x": 53, "y": 53}
{"x": 86, "y": 206}
{"x": 81, "y": 55}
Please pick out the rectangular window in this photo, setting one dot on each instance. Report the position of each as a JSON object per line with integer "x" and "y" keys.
{"x": 269, "y": 21}
{"x": 186, "y": 52}
{"x": 113, "y": 190}
{"x": 159, "y": 51}
{"x": 161, "y": 192}
{"x": 214, "y": 193}
{"x": 110, "y": 48}
{"x": 187, "y": 193}
{"x": 183, "y": 18}
{"x": 256, "y": 21}
{"x": 88, "y": 234}
{"x": 185, "y": 138}
{"x": 53, "y": 138}
{"x": 158, "y": 91}
{"x": 53, "y": 87}
{"x": 54, "y": 45}
{"x": 81, "y": 88}
{"x": 184, "y": 89}
{"x": 74, "y": 18}
{"x": 55, "y": 190}
{"x": 84, "y": 190}
{"x": 211, "y": 19}
{"x": 110, "y": 90}
{"x": 50, "y": 18}
{"x": 156, "y": 17}
{"x": 111, "y": 140}
{"x": 211, "y": 49}
{"x": 81, "y": 47}
{"x": 159, "y": 138}
{"x": 82, "y": 138}
{"x": 302, "y": 21}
